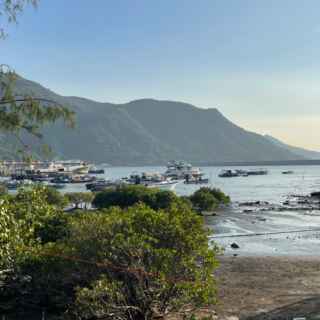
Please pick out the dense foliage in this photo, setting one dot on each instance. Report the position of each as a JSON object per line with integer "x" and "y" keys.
{"x": 117, "y": 263}
{"x": 126, "y": 196}
{"x": 53, "y": 197}
{"x": 22, "y": 217}
{"x": 208, "y": 199}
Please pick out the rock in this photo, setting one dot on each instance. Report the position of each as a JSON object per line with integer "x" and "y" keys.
{"x": 234, "y": 246}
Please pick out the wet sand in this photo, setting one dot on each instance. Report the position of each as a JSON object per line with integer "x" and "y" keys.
{"x": 256, "y": 288}
{"x": 267, "y": 233}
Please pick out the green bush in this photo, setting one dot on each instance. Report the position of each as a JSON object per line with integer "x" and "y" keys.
{"x": 53, "y": 228}
{"x": 53, "y": 197}
{"x": 126, "y": 196}
{"x": 3, "y": 190}
{"x": 154, "y": 260}
{"x": 206, "y": 199}
{"x": 129, "y": 263}
{"x": 21, "y": 217}
{"x": 219, "y": 195}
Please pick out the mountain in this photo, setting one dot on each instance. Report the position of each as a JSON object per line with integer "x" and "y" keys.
{"x": 307, "y": 154}
{"x": 148, "y": 132}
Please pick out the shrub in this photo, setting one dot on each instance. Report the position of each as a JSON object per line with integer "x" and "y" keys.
{"x": 54, "y": 197}
{"x": 21, "y": 216}
{"x": 53, "y": 228}
{"x": 206, "y": 199}
{"x": 219, "y": 195}
{"x": 203, "y": 200}
{"x": 154, "y": 261}
{"x": 126, "y": 196}
{"x": 121, "y": 264}
{"x": 3, "y": 189}
{"x": 113, "y": 263}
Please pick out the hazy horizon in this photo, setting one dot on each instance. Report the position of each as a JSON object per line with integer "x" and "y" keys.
{"x": 256, "y": 62}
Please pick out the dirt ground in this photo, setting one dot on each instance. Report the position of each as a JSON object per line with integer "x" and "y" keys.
{"x": 261, "y": 288}
{"x": 255, "y": 288}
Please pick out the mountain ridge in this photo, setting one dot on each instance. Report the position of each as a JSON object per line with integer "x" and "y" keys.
{"x": 149, "y": 132}
{"x": 308, "y": 154}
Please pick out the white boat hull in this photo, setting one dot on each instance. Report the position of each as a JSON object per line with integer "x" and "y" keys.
{"x": 162, "y": 185}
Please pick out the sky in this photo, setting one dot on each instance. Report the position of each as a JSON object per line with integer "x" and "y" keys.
{"x": 258, "y": 62}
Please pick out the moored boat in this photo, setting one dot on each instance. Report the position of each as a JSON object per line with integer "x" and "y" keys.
{"x": 82, "y": 179}
{"x": 100, "y": 185}
{"x": 196, "y": 180}
{"x": 61, "y": 179}
{"x": 13, "y": 184}
{"x": 57, "y": 186}
{"x": 180, "y": 169}
{"x": 315, "y": 194}
{"x": 257, "y": 172}
{"x": 228, "y": 174}
{"x": 95, "y": 170}
{"x": 167, "y": 184}
{"x": 152, "y": 180}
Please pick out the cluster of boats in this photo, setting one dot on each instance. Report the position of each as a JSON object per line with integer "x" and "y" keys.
{"x": 54, "y": 174}
{"x": 59, "y": 174}
{"x": 176, "y": 172}
{"x": 242, "y": 173}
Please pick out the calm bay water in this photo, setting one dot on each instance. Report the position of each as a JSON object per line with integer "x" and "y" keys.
{"x": 274, "y": 188}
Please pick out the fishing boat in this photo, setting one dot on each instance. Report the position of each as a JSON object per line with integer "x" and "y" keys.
{"x": 178, "y": 170}
{"x": 196, "y": 180}
{"x": 228, "y": 173}
{"x": 82, "y": 179}
{"x": 13, "y": 184}
{"x": 61, "y": 179}
{"x": 315, "y": 194}
{"x": 102, "y": 184}
{"x": 95, "y": 170}
{"x": 98, "y": 182}
{"x": 152, "y": 180}
{"x": 287, "y": 172}
{"x": 57, "y": 186}
{"x": 257, "y": 172}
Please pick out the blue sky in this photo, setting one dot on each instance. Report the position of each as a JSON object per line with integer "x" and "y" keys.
{"x": 257, "y": 61}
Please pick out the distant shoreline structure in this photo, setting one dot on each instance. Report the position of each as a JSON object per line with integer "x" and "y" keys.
{"x": 196, "y": 163}
{"x": 234, "y": 163}
{"x": 262, "y": 163}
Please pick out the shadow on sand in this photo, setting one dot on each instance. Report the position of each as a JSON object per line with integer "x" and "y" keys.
{"x": 307, "y": 308}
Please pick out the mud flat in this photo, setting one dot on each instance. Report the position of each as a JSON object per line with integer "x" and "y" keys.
{"x": 266, "y": 232}
{"x": 256, "y": 288}
{"x": 273, "y": 271}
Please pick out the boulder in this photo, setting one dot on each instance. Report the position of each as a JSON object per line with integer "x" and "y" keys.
{"x": 234, "y": 246}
